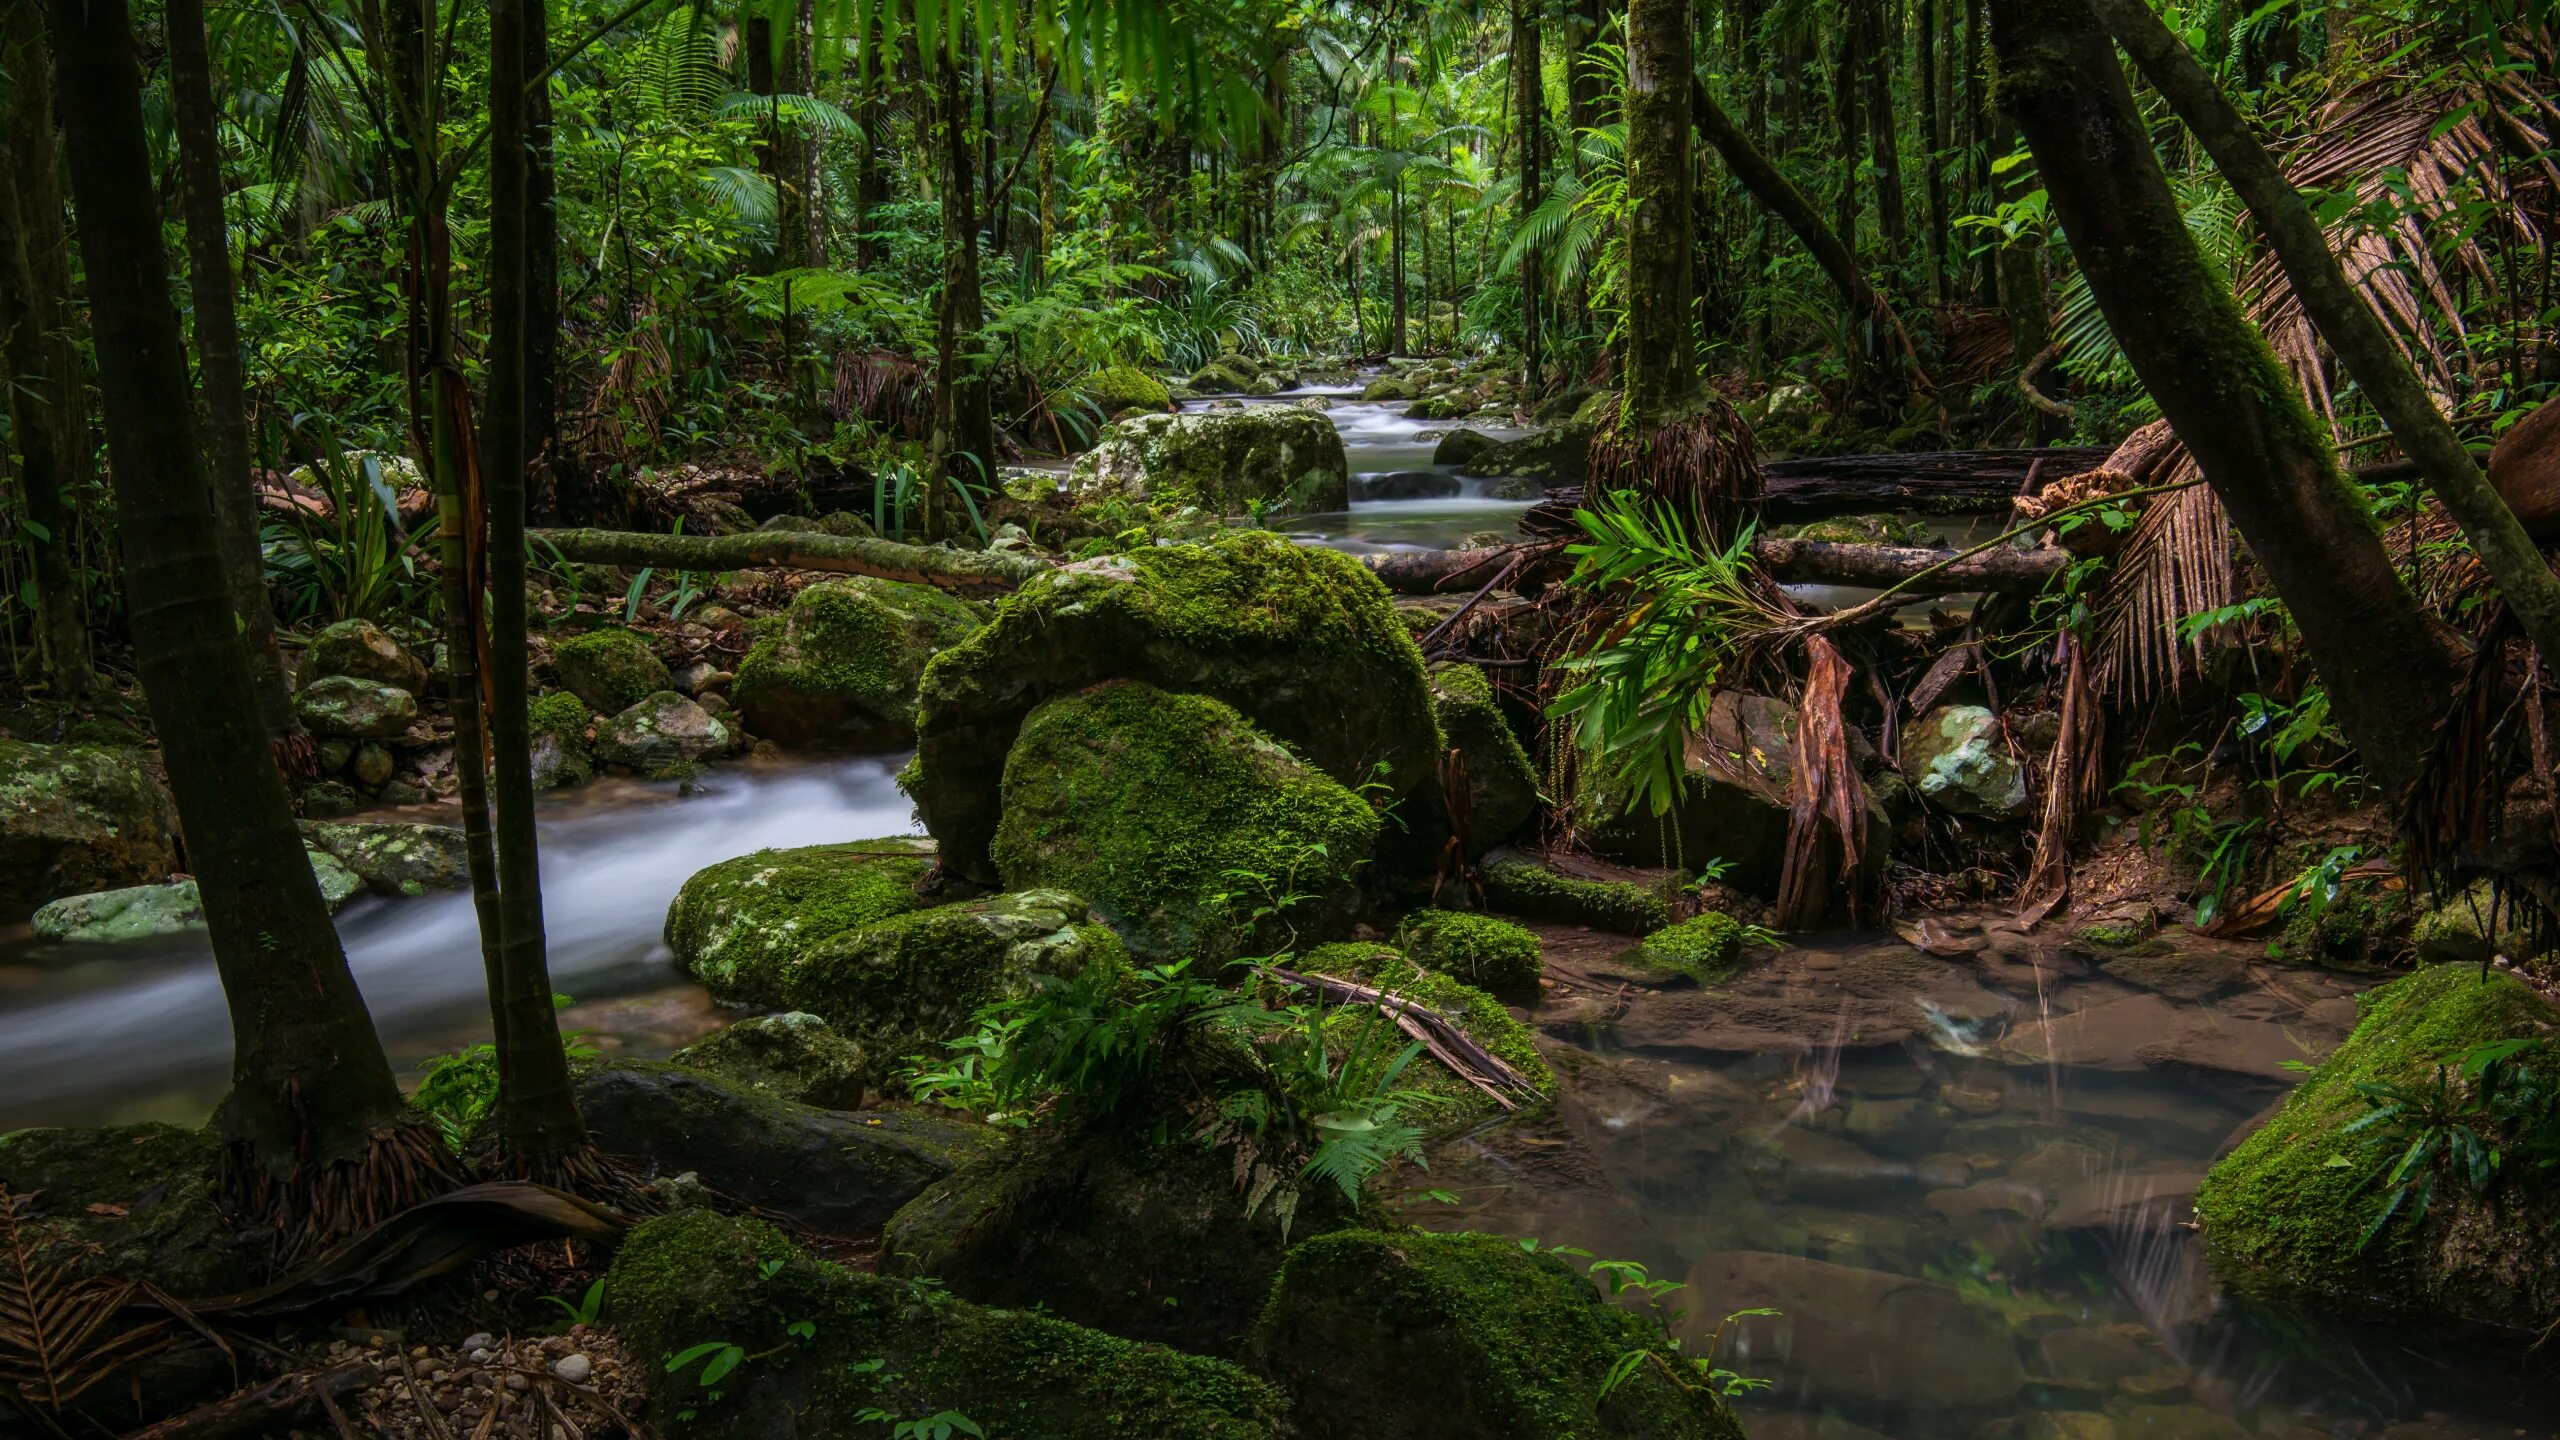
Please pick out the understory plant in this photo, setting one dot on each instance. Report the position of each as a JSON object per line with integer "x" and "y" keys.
{"x": 2492, "y": 1110}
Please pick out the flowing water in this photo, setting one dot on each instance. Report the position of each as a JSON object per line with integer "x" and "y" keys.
{"x": 1380, "y": 442}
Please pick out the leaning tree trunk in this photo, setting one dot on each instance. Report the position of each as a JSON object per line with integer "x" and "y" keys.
{"x": 47, "y": 405}
{"x": 2345, "y": 320}
{"x": 1868, "y": 315}
{"x": 2387, "y": 665}
{"x": 226, "y": 398}
{"x": 538, "y": 1124}
{"x": 964, "y": 441}
{"x": 316, "y": 1121}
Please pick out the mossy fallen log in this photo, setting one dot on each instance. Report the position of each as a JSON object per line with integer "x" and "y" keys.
{"x": 1919, "y": 570}
{"x": 967, "y": 572}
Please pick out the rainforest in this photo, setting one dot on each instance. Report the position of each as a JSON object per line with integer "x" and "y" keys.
{"x": 1237, "y": 719}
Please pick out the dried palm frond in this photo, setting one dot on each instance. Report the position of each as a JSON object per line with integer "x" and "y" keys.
{"x": 1827, "y": 812}
{"x": 1702, "y": 469}
{"x": 2175, "y": 564}
{"x": 2075, "y": 781}
{"x": 630, "y": 399}
{"x": 60, "y": 1334}
{"x": 884, "y": 387}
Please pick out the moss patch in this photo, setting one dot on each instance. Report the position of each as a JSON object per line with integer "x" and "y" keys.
{"x": 1521, "y": 886}
{"x": 1276, "y": 457}
{"x": 611, "y": 669}
{"x": 78, "y": 818}
{"x": 1706, "y": 948}
{"x": 1126, "y": 387}
{"x": 739, "y": 926}
{"x": 912, "y": 1350}
{"x": 843, "y": 667}
{"x": 1477, "y": 1013}
{"x": 1502, "y": 786}
{"x": 1491, "y": 954}
{"x": 142, "y": 1194}
{"x": 1177, "y": 821}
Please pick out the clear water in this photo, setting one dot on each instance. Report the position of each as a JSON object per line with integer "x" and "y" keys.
{"x": 1379, "y": 440}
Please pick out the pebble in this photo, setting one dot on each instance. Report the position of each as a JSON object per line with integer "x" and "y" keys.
{"x": 573, "y": 1368}
{"x": 516, "y": 1381}
{"x": 479, "y": 1342}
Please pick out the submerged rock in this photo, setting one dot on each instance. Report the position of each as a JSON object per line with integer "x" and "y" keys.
{"x": 2285, "y": 1218}
{"x": 835, "y": 1172}
{"x": 1502, "y": 786}
{"x": 664, "y": 732}
{"x": 1303, "y": 643}
{"x": 348, "y": 708}
{"x": 396, "y": 858}
{"x": 143, "y": 1194}
{"x": 1705, "y": 948}
{"x": 843, "y": 668}
{"x": 739, "y": 927}
{"x": 1276, "y": 457}
{"x": 1467, "y": 1337}
{"x": 1178, "y": 821}
{"x": 611, "y": 669}
{"x": 359, "y": 648}
{"x": 1956, "y": 757}
{"x": 1518, "y": 883}
{"x": 792, "y": 1056}
{"x": 1559, "y": 455}
{"x": 1859, "y": 1336}
{"x": 1409, "y": 485}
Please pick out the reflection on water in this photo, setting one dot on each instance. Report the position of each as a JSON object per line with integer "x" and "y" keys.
{"x": 1965, "y": 1185}
{"x": 90, "y": 1034}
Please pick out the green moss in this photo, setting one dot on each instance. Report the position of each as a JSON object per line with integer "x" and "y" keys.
{"x": 2123, "y": 936}
{"x": 142, "y": 1194}
{"x": 2282, "y": 1217}
{"x": 1226, "y": 462}
{"x": 1502, "y": 786}
{"x": 1478, "y": 949}
{"x": 1178, "y": 822}
{"x": 793, "y": 1056}
{"x": 911, "y": 1349}
{"x": 739, "y": 926}
{"x": 560, "y": 715}
{"x": 844, "y": 665}
{"x": 1521, "y": 886}
{"x": 1706, "y": 948}
{"x": 611, "y": 669}
{"x": 1423, "y": 1336}
{"x": 1477, "y": 1013}
{"x": 78, "y": 818}
{"x": 1125, "y": 387}
{"x": 2357, "y": 930}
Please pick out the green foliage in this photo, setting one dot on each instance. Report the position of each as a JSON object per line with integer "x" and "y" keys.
{"x": 2496, "y": 1101}
{"x": 354, "y": 559}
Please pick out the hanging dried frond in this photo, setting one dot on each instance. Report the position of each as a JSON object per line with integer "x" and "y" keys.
{"x": 1827, "y": 814}
{"x": 884, "y": 387}
{"x": 2074, "y": 783}
{"x": 60, "y": 1332}
{"x": 2175, "y": 563}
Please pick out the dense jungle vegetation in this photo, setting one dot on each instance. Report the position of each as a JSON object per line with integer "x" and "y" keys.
{"x": 1241, "y": 718}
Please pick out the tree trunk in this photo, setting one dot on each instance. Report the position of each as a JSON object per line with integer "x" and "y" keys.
{"x": 538, "y": 1124}
{"x": 542, "y": 453}
{"x": 2019, "y": 264}
{"x": 809, "y": 168}
{"x": 47, "y": 403}
{"x": 1933, "y": 133}
{"x": 1867, "y": 311}
{"x": 1883, "y": 146}
{"x": 1847, "y": 79}
{"x": 2387, "y": 665}
{"x": 1529, "y": 92}
{"x": 963, "y": 422}
{"x": 311, "y": 1091}
{"x": 870, "y": 177}
{"x": 1661, "y": 381}
{"x": 226, "y": 399}
{"x": 2345, "y": 320}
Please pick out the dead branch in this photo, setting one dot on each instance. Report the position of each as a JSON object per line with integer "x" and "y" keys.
{"x": 269, "y": 1409}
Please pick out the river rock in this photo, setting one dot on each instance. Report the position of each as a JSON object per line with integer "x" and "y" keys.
{"x": 142, "y": 1194}
{"x": 1303, "y": 643}
{"x": 1460, "y": 446}
{"x": 738, "y": 927}
{"x": 1955, "y": 752}
{"x": 843, "y": 667}
{"x": 1502, "y": 786}
{"x": 396, "y": 858}
{"x": 1230, "y": 375}
{"x": 1402, "y": 387}
{"x": 1118, "y": 389}
{"x": 1277, "y": 457}
{"x": 900, "y": 987}
{"x": 353, "y": 709}
{"x": 1163, "y": 810}
{"x": 609, "y": 668}
{"x": 1862, "y": 1337}
{"x": 359, "y": 648}
{"x": 151, "y": 912}
{"x": 78, "y": 818}
{"x": 836, "y": 1172}
{"x": 697, "y": 1278}
{"x": 792, "y": 1056}
{"x": 1557, "y": 456}
{"x": 664, "y": 732}
{"x": 1409, "y": 485}
{"x": 1520, "y": 882}
{"x": 1876, "y": 997}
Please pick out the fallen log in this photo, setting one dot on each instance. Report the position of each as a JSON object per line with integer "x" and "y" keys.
{"x": 1793, "y": 562}
{"x": 965, "y": 572}
{"x": 270, "y": 1409}
{"x": 1947, "y": 482}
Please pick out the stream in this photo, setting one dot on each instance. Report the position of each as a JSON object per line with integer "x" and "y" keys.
{"x": 1960, "y": 1177}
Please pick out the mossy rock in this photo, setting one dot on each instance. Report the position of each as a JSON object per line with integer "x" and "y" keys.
{"x": 2360, "y": 930}
{"x": 1468, "y": 1337}
{"x": 142, "y": 1194}
{"x": 792, "y": 1056}
{"x": 842, "y": 669}
{"x": 1448, "y": 405}
{"x": 1392, "y": 387}
{"x": 1557, "y": 456}
{"x": 563, "y": 755}
{"x": 359, "y": 648}
{"x": 1175, "y": 819}
{"x": 611, "y": 669}
{"x": 396, "y": 857}
{"x": 664, "y": 736}
{"x": 1502, "y": 786}
{"x": 1519, "y": 885}
{"x": 1481, "y": 1016}
{"x": 1705, "y": 948}
{"x": 694, "y": 1278}
{"x": 902, "y": 986}
{"x": 2459, "y": 928}
{"x": 738, "y": 927}
{"x": 348, "y": 708}
{"x": 1116, "y": 388}
{"x": 1229, "y": 375}
{"x": 159, "y": 912}
{"x": 1304, "y": 643}
{"x": 2284, "y": 1213}
{"x": 1480, "y": 950}
{"x": 1278, "y": 458}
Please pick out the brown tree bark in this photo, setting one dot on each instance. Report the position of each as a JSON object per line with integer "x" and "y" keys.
{"x": 1661, "y": 380}
{"x": 1884, "y": 148}
{"x": 964, "y": 448}
{"x": 1529, "y": 112}
{"x": 2386, "y": 664}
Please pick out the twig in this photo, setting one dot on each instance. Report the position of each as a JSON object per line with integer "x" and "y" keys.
{"x": 1482, "y": 1068}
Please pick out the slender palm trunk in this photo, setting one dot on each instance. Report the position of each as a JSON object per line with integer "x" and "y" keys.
{"x": 313, "y": 1103}
{"x": 1883, "y": 146}
{"x": 1933, "y": 133}
{"x": 39, "y": 362}
{"x": 1529, "y": 91}
{"x": 964, "y": 423}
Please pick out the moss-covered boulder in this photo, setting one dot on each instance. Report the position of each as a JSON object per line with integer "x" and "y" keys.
{"x": 834, "y": 1171}
{"x": 738, "y": 927}
{"x": 359, "y": 648}
{"x": 1706, "y": 948}
{"x": 142, "y": 1194}
{"x": 1276, "y": 457}
{"x": 1557, "y": 456}
{"x": 665, "y": 734}
{"x": 611, "y": 669}
{"x": 2285, "y": 1212}
{"x": 1392, "y": 387}
{"x": 1302, "y": 642}
{"x": 1118, "y": 388}
{"x": 901, "y": 986}
{"x": 1481, "y": 1016}
{"x": 1480, "y": 950}
{"x": 1502, "y": 786}
{"x": 395, "y": 857}
{"x": 563, "y": 750}
{"x": 842, "y": 668}
{"x": 1519, "y": 883}
{"x": 792, "y": 1056}
{"x": 1469, "y": 1337}
{"x": 156, "y": 912}
{"x": 1179, "y": 823}
{"x": 1230, "y": 375}
{"x": 347, "y": 708}
{"x": 910, "y": 1351}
